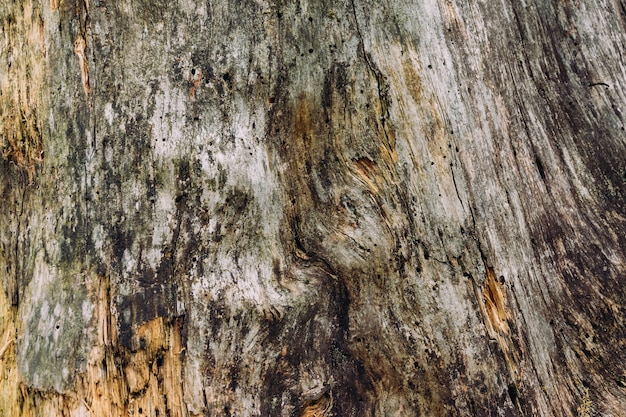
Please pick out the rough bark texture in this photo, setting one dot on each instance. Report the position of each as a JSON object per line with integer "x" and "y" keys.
{"x": 292, "y": 208}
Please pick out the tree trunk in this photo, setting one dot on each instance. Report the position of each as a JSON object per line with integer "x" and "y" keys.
{"x": 312, "y": 208}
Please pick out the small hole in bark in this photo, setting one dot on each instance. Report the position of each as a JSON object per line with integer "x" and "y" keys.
{"x": 57, "y": 327}
{"x": 310, "y": 50}
{"x": 430, "y": 66}
{"x": 279, "y": 14}
{"x": 310, "y": 19}
{"x": 140, "y": 410}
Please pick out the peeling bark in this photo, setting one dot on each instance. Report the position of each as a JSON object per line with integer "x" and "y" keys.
{"x": 312, "y": 209}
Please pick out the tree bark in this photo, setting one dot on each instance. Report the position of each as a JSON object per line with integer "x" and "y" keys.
{"x": 311, "y": 208}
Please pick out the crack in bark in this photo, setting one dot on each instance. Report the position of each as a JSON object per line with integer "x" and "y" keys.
{"x": 383, "y": 88}
{"x": 80, "y": 46}
{"x": 182, "y": 203}
{"x": 15, "y": 293}
{"x": 456, "y": 188}
{"x": 82, "y": 49}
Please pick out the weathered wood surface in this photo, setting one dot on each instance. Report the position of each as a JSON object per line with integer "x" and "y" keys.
{"x": 259, "y": 208}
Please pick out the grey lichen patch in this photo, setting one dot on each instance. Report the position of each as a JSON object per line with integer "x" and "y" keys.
{"x": 51, "y": 347}
{"x": 23, "y": 100}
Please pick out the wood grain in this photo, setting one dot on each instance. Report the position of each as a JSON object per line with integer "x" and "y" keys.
{"x": 313, "y": 208}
